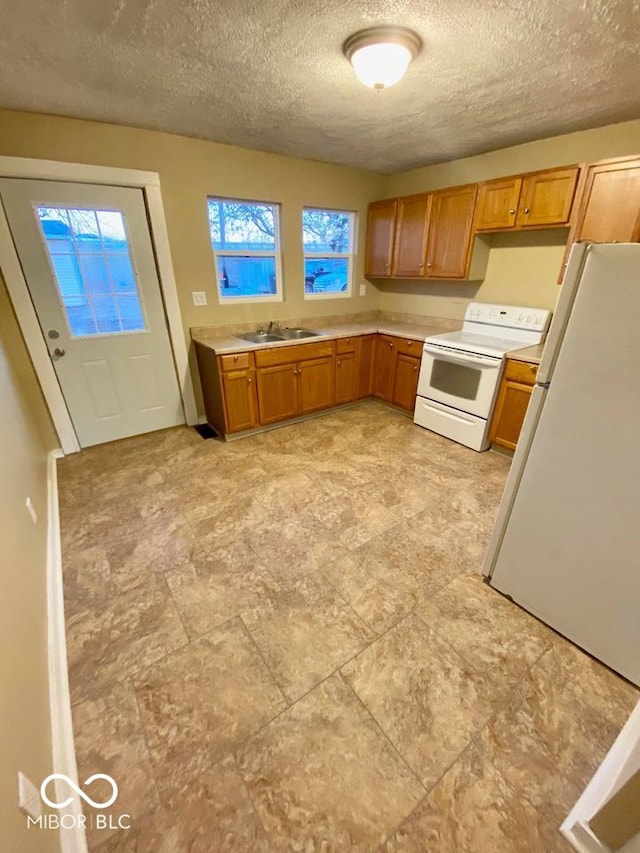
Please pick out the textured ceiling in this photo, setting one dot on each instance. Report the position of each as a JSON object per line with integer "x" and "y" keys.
{"x": 271, "y": 75}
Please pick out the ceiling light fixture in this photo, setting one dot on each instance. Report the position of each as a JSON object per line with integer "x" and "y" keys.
{"x": 381, "y": 55}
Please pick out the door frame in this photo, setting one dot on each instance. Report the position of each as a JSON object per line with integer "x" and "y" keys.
{"x": 81, "y": 173}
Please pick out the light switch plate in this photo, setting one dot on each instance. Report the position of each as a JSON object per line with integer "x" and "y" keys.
{"x": 199, "y": 297}
{"x": 363, "y": 290}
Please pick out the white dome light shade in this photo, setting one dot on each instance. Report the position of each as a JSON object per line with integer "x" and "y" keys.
{"x": 381, "y": 65}
{"x": 381, "y": 55}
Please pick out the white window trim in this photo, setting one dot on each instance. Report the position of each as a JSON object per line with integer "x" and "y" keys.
{"x": 278, "y": 296}
{"x": 350, "y": 256}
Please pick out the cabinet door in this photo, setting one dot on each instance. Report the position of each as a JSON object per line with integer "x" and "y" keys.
{"x": 383, "y": 362}
{"x": 498, "y": 204}
{"x": 364, "y": 366}
{"x": 240, "y": 400}
{"x": 380, "y": 229}
{"x": 412, "y": 228}
{"x": 277, "y": 392}
{"x": 405, "y": 382}
{"x": 508, "y": 417}
{"x": 450, "y": 232}
{"x": 610, "y": 207}
{"x": 547, "y": 198}
{"x": 315, "y": 385}
{"x": 345, "y": 378}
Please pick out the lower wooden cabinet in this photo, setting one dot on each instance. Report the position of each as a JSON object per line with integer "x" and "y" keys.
{"x": 246, "y": 390}
{"x": 240, "y": 401}
{"x": 384, "y": 357}
{"x": 405, "y": 382}
{"x": 396, "y": 367}
{"x": 364, "y": 365}
{"x": 513, "y": 400}
{"x": 277, "y": 392}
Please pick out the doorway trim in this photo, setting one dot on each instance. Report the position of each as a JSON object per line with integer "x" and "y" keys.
{"x": 81, "y": 173}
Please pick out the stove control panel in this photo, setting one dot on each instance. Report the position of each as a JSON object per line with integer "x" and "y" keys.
{"x": 508, "y": 316}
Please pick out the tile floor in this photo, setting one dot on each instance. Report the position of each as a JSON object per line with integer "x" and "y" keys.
{"x": 283, "y": 643}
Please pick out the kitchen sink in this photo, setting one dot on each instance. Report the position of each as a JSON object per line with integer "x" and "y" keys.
{"x": 261, "y": 338}
{"x": 294, "y": 334}
{"x": 283, "y": 335}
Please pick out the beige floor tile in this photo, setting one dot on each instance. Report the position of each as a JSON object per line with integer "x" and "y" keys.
{"x": 213, "y": 814}
{"x": 134, "y": 629}
{"x": 547, "y": 742}
{"x": 323, "y": 777}
{"x": 88, "y": 585}
{"x": 487, "y": 629}
{"x": 305, "y": 633}
{"x": 473, "y": 809}
{"x": 207, "y": 597}
{"x": 427, "y": 699}
{"x": 200, "y": 701}
{"x": 591, "y": 681}
{"x": 109, "y": 739}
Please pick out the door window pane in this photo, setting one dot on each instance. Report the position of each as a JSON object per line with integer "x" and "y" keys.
{"x": 91, "y": 263}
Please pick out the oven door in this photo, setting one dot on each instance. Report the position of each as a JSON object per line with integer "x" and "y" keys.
{"x": 466, "y": 381}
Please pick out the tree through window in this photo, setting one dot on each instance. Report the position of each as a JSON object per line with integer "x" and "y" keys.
{"x": 246, "y": 245}
{"x": 328, "y": 252}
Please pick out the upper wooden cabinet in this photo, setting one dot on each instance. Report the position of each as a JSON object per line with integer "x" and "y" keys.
{"x": 450, "y": 232}
{"x": 536, "y": 200}
{"x": 498, "y": 204}
{"x": 432, "y": 236}
{"x": 381, "y": 220}
{"x": 609, "y": 210}
{"x": 412, "y": 229}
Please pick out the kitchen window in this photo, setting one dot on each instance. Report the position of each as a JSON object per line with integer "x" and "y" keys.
{"x": 245, "y": 237}
{"x": 327, "y": 236}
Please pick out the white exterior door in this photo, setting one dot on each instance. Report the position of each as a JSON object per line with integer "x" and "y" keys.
{"x": 88, "y": 260}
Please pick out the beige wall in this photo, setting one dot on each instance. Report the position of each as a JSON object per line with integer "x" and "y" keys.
{"x": 522, "y": 269}
{"x": 25, "y": 437}
{"x": 191, "y": 169}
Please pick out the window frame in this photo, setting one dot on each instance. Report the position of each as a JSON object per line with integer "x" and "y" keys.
{"x": 276, "y": 254}
{"x": 350, "y": 255}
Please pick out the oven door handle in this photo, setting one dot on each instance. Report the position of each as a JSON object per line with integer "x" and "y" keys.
{"x": 459, "y": 358}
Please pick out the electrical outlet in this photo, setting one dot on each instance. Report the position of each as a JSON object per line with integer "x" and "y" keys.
{"x": 199, "y": 297}
{"x": 32, "y": 512}
{"x": 363, "y": 290}
{"x": 28, "y": 797}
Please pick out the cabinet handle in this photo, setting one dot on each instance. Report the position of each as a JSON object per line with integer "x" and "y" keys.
{"x": 348, "y": 340}
{"x": 415, "y": 366}
{"x": 386, "y": 266}
{"x": 526, "y": 210}
{"x": 420, "y": 266}
{"x": 390, "y": 346}
{"x": 339, "y": 364}
{"x": 512, "y": 210}
{"x": 236, "y": 357}
{"x": 409, "y": 343}
{"x": 429, "y": 264}
{"x": 249, "y": 381}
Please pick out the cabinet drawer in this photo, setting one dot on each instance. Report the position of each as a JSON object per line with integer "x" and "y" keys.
{"x": 289, "y": 355}
{"x": 405, "y": 346}
{"x": 521, "y": 371}
{"x": 237, "y": 361}
{"x": 345, "y": 345}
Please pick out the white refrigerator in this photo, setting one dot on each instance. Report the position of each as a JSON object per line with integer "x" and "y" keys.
{"x": 566, "y": 544}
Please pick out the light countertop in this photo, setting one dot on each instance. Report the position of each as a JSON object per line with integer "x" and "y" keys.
{"x": 532, "y": 355}
{"x": 228, "y": 344}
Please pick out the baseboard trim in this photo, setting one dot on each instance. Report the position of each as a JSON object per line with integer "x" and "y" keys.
{"x": 63, "y": 749}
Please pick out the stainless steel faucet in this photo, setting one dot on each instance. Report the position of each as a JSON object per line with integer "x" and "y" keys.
{"x": 273, "y": 324}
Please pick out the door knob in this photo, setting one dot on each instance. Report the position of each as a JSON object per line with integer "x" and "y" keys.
{"x": 59, "y": 352}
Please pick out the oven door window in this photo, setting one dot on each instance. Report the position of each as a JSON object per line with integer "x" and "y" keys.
{"x": 457, "y": 380}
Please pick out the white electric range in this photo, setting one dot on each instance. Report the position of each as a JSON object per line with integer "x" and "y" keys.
{"x": 460, "y": 371}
